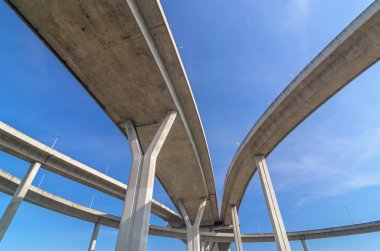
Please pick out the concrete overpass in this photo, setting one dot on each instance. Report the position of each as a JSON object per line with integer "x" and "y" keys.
{"x": 354, "y": 50}
{"x": 123, "y": 54}
{"x": 44, "y": 199}
{"x": 30, "y": 150}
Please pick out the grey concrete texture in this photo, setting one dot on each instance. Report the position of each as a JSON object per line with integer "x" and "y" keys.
{"x": 133, "y": 75}
{"x": 272, "y": 205}
{"x": 17, "y": 198}
{"x": 193, "y": 240}
{"x": 123, "y": 54}
{"x": 236, "y": 225}
{"x": 354, "y": 50}
{"x": 134, "y": 225}
{"x": 28, "y": 149}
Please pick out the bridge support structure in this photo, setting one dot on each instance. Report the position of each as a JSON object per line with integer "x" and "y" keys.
{"x": 94, "y": 237}
{"x": 304, "y": 245}
{"x": 236, "y": 225}
{"x": 17, "y": 198}
{"x": 272, "y": 205}
{"x": 192, "y": 230}
{"x": 134, "y": 223}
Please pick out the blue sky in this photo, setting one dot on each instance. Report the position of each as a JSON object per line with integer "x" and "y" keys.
{"x": 237, "y": 54}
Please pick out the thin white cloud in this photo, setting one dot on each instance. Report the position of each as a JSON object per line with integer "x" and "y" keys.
{"x": 334, "y": 167}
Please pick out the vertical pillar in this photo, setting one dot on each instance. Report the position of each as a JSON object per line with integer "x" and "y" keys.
{"x": 214, "y": 246}
{"x": 207, "y": 245}
{"x": 236, "y": 224}
{"x": 272, "y": 205}
{"x": 94, "y": 237}
{"x": 134, "y": 223}
{"x": 304, "y": 245}
{"x": 17, "y": 198}
{"x": 192, "y": 233}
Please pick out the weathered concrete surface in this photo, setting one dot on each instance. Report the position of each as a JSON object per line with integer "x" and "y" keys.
{"x": 133, "y": 75}
{"x": 134, "y": 225}
{"x": 354, "y": 50}
{"x": 28, "y": 149}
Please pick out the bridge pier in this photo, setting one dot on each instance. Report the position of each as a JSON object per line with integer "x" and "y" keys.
{"x": 134, "y": 223}
{"x": 236, "y": 224}
{"x": 304, "y": 245}
{"x": 94, "y": 237}
{"x": 272, "y": 205}
{"x": 192, "y": 233}
{"x": 17, "y": 198}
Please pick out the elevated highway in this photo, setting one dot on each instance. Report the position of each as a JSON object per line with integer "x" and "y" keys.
{"x": 353, "y": 51}
{"x": 44, "y": 199}
{"x": 30, "y": 150}
{"x": 124, "y": 55}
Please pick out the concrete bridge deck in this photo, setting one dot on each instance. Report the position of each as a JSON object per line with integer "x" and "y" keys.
{"x": 354, "y": 50}
{"x": 123, "y": 54}
{"x": 39, "y": 197}
{"x": 28, "y": 149}
{"x": 130, "y": 65}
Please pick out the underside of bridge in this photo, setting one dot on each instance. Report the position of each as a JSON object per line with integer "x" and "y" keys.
{"x": 123, "y": 53}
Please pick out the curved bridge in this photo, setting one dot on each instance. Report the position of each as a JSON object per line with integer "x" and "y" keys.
{"x": 346, "y": 57}
{"x": 123, "y": 54}
{"x": 39, "y": 197}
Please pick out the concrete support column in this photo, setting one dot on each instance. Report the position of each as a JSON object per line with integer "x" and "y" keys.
{"x": 192, "y": 234}
{"x": 94, "y": 237}
{"x": 214, "y": 246}
{"x": 304, "y": 245}
{"x": 207, "y": 245}
{"x": 236, "y": 224}
{"x": 134, "y": 223}
{"x": 272, "y": 205}
{"x": 17, "y": 198}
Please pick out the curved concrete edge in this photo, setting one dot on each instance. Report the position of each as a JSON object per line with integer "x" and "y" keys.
{"x": 26, "y": 148}
{"x": 189, "y": 104}
{"x": 9, "y": 183}
{"x": 42, "y": 198}
{"x": 354, "y": 50}
{"x": 39, "y": 197}
{"x": 176, "y": 71}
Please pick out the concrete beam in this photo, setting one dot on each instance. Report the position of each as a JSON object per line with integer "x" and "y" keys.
{"x": 26, "y": 148}
{"x": 94, "y": 237}
{"x": 17, "y": 198}
{"x": 134, "y": 225}
{"x": 272, "y": 205}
